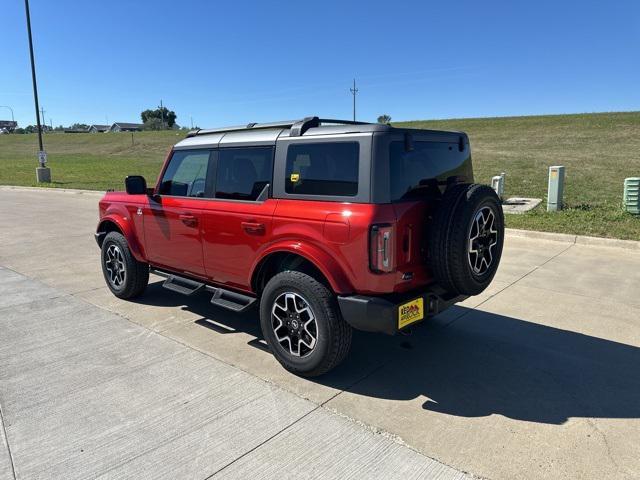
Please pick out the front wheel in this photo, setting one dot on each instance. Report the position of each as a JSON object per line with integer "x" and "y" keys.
{"x": 302, "y": 324}
{"x": 125, "y": 276}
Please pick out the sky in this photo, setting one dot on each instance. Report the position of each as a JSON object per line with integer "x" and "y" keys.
{"x": 220, "y": 63}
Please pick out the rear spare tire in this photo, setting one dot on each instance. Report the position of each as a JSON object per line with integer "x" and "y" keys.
{"x": 466, "y": 236}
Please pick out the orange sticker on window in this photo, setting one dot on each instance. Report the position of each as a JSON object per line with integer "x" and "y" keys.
{"x": 295, "y": 177}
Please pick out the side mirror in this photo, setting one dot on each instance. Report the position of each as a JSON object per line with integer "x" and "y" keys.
{"x": 135, "y": 185}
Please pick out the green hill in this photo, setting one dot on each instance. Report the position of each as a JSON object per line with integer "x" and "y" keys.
{"x": 598, "y": 150}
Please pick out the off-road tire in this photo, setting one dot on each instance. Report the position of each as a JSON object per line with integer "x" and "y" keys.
{"x": 137, "y": 273}
{"x": 333, "y": 333}
{"x": 448, "y": 238}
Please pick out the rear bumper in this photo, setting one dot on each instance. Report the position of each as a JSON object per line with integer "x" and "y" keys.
{"x": 381, "y": 313}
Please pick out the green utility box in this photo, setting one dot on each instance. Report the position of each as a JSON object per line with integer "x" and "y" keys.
{"x": 631, "y": 197}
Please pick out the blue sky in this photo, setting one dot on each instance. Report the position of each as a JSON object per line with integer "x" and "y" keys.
{"x": 237, "y": 62}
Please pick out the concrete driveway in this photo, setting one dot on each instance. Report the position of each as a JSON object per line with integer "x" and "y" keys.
{"x": 539, "y": 377}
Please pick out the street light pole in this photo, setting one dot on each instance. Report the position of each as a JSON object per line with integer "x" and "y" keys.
{"x": 7, "y": 106}
{"x": 43, "y": 173}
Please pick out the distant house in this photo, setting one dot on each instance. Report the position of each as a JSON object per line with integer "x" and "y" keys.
{"x": 8, "y": 126}
{"x": 98, "y": 128}
{"x": 126, "y": 127}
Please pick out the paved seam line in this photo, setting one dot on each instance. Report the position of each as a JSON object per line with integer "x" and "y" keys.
{"x": 283, "y": 430}
{"x": 104, "y": 379}
{"x": 582, "y": 295}
{"x": 253, "y": 449}
{"x": 378, "y": 430}
{"x": 6, "y": 439}
{"x": 180, "y": 435}
{"x": 508, "y": 286}
{"x": 22, "y": 304}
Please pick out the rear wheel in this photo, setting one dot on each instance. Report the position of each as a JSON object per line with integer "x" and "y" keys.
{"x": 125, "y": 276}
{"x": 466, "y": 238}
{"x": 301, "y": 322}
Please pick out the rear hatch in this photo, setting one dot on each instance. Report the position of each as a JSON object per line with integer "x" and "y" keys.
{"x": 413, "y": 168}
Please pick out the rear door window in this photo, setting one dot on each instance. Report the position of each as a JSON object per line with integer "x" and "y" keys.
{"x": 243, "y": 173}
{"x": 327, "y": 168}
{"x": 186, "y": 174}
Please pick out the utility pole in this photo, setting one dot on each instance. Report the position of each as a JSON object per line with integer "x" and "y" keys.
{"x": 42, "y": 110}
{"x": 191, "y": 123}
{"x": 354, "y": 92}
{"x": 162, "y": 113}
{"x": 43, "y": 173}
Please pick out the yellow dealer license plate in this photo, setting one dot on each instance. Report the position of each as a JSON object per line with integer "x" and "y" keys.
{"x": 410, "y": 312}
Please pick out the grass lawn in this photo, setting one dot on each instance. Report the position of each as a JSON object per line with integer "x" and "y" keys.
{"x": 598, "y": 151}
{"x": 94, "y": 161}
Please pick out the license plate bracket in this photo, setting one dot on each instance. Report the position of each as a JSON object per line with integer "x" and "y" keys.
{"x": 410, "y": 312}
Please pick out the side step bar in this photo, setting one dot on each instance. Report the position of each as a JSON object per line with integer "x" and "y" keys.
{"x": 182, "y": 285}
{"x": 234, "y": 301}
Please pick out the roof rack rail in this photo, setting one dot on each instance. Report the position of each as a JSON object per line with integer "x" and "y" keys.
{"x": 239, "y": 128}
{"x": 298, "y": 127}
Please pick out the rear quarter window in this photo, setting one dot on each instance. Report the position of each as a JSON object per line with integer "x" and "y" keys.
{"x": 327, "y": 168}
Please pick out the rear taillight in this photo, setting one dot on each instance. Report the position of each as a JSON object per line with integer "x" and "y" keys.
{"x": 381, "y": 248}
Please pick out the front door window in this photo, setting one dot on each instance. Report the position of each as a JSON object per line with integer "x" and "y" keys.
{"x": 186, "y": 174}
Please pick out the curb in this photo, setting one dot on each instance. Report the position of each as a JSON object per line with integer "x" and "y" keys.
{"x": 53, "y": 189}
{"x": 513, "y": 232}
{"x": 575, "y": 239}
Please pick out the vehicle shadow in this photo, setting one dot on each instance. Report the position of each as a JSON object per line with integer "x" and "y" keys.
{"x": 476, "y": 365}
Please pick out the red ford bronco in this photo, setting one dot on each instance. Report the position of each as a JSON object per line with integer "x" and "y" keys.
{"x": 327, "y": 225}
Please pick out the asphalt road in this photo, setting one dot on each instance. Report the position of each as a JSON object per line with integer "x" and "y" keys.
{"x": 539, "y": 377}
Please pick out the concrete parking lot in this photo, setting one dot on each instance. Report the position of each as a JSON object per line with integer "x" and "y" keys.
{"x": 538, "y": 377}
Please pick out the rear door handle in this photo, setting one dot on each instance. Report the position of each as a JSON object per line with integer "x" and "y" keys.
{"x": 253, "y": 228}
{"x": 188, "y": 219}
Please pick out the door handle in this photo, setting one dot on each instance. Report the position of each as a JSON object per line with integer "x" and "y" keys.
{"x": 253, "y": 228}
{"x": 188, "y": 219}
